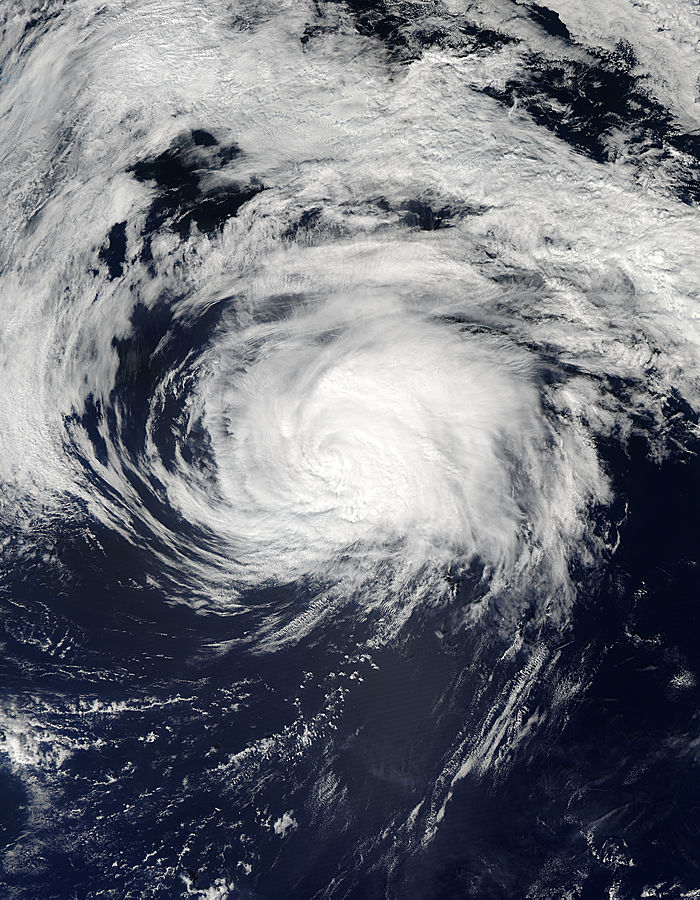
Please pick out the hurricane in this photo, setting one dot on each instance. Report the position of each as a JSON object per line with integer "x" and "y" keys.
{"x": 348, "y": 449}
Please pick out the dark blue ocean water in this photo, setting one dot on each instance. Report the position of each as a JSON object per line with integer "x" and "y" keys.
{"x": 154, "y": 748}
{"x": 608, "y": 796}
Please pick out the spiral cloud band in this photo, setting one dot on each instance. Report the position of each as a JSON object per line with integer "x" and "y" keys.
{"x": 370, "y": 433}
{"x": 333, "y": 341}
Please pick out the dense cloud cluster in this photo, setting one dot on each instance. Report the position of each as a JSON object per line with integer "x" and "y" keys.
{"x": 329, "y": 315}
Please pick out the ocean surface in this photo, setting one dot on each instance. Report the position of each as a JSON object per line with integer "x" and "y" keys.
{"x": 349, "y": 450}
